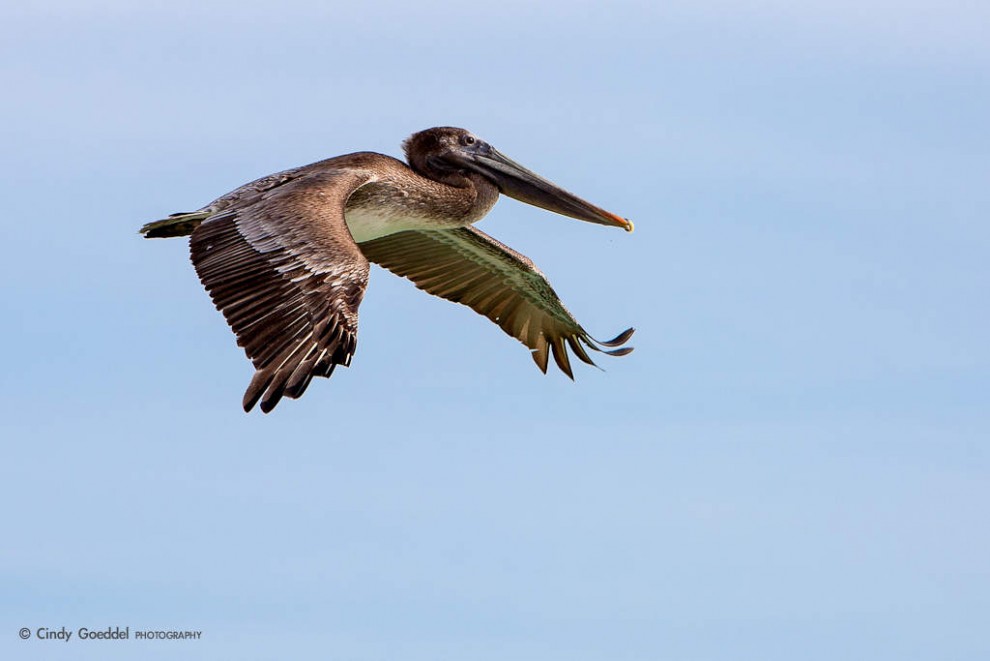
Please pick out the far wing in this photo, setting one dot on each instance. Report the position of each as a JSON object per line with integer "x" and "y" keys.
{"x": 467, "y": 266}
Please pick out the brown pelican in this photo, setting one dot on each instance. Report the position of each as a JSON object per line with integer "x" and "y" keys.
{"x": 285, "y": 258}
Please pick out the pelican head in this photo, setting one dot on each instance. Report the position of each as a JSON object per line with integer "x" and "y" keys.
{"x": 450, "y": 154}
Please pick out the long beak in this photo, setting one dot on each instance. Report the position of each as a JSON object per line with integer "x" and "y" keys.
{"x": 516, "y": 181}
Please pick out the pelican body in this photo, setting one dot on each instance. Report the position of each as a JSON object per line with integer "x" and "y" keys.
{"x": 286, "y": 257}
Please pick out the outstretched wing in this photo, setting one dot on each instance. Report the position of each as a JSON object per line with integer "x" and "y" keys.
{"x": 289, "y": 278}
{"x": 467, "y": 266}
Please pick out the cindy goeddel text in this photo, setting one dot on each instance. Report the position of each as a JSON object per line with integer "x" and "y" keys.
{"x": 105, "y": 633}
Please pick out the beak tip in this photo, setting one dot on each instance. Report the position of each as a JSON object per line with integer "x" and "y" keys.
{"x": 619, "y": 221}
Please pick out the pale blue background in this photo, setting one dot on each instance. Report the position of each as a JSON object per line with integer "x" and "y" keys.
{"x": 793, "y": 464}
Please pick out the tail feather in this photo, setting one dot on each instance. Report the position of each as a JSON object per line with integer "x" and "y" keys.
{"x": 178, "y": 224}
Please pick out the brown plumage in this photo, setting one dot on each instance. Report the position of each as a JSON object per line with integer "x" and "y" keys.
{"x": 285, "y": 258}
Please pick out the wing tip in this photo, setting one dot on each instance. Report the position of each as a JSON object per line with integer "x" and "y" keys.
{"x": 619, "y": 339}
{"x": 614, "y": 346}
{"x": 577, "y": 343}
{"x": 255, "y": 389}
{"x": 541, "y": 356}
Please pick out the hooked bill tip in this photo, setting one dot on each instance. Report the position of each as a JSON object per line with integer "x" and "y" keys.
{"x": 624, "y": 223}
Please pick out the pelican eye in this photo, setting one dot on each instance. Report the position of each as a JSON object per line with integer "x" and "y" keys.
{"x": 469, "y": 140}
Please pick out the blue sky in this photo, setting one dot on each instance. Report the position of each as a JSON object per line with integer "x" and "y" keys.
{"x": 792, "y": 464}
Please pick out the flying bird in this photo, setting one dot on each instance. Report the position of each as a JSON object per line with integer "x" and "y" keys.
{"x": 285, "y": 258}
